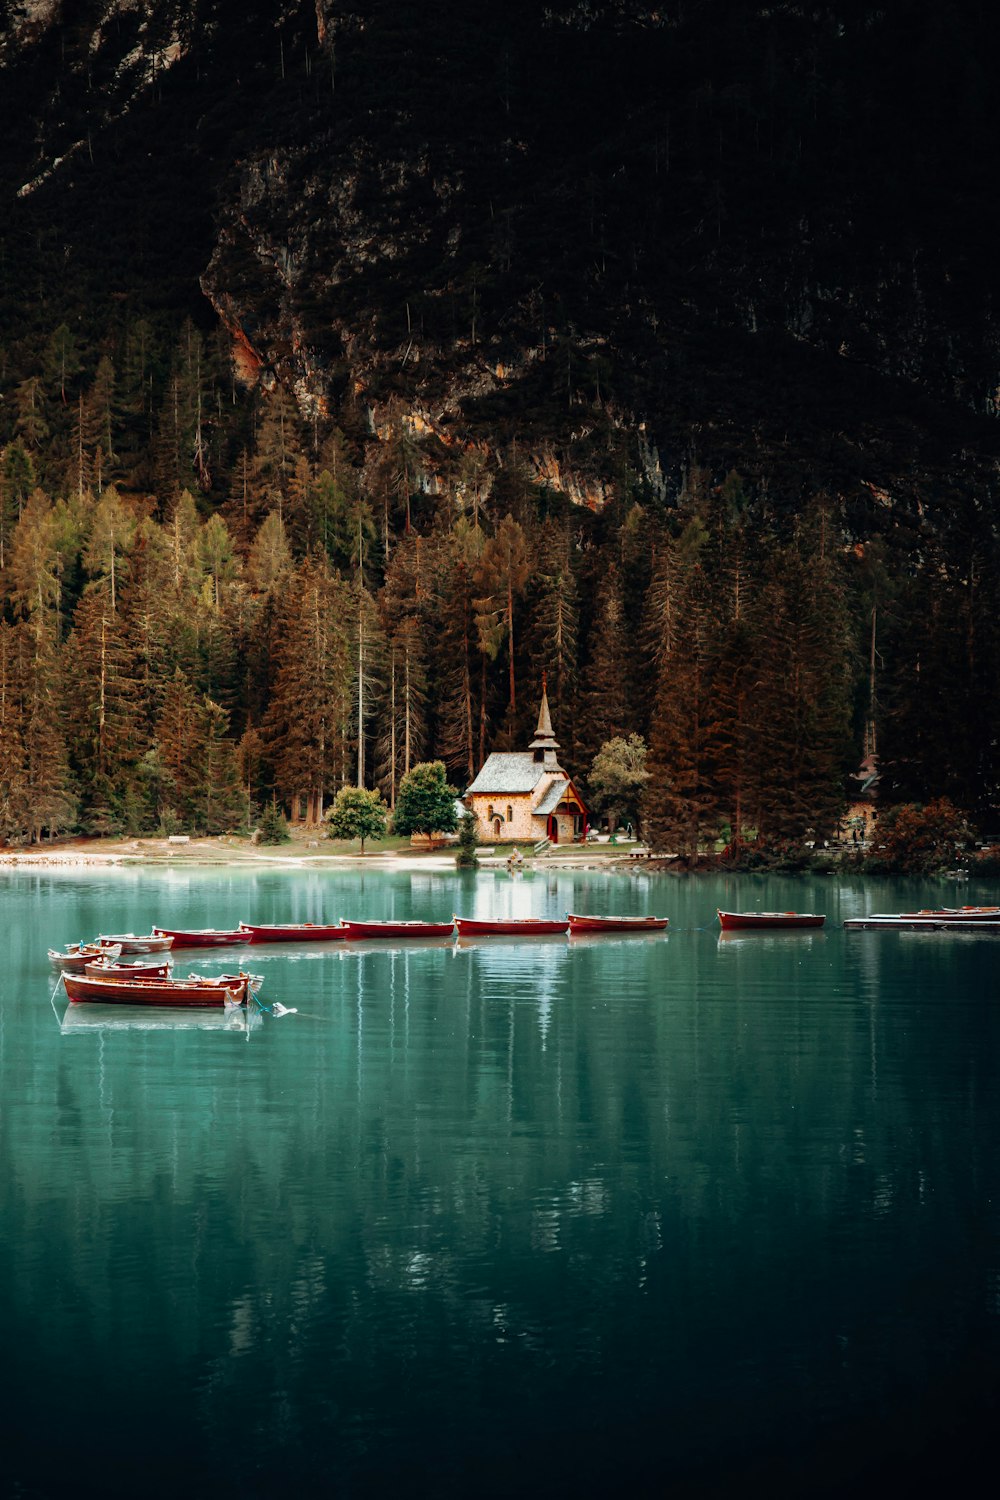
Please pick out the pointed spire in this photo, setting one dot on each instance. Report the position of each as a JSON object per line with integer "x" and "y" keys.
{"x": 544, "y": 737}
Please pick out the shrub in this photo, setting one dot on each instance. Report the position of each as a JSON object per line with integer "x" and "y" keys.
{"x": 468, "y": 841}
{"x": 914, "y": 840}
{"x": 273, "y": 828}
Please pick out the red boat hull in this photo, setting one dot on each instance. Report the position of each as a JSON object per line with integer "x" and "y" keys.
{"x": 743, "y": 921}
{"x": 617, "y": 924}
{"x": 398, "y": 929}
{"x": 509, "y": 927}
{"x": 173, "y": 992}
{"x": 204, "y": 938}
{"x": 287, "y": 932}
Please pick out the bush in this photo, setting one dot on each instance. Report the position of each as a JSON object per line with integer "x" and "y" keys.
{"x": 914, "y": 840}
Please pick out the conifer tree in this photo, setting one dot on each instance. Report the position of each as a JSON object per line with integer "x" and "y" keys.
{"x": 14, "y": 792}
{"x": 180, "y": 743}
{"x": 35, "y": 563}
{"x": 803, "y": 703}
{"x": 50, "y": 799}
{"x": 17, "y": 480}
{"x": 310, "y": 707}
{"x": 111, "y": 532}
{"x": 680, "y": 809}
{"x": 457, "y": 638}
{"x": 553, "y": 631}
{"x": 506, "y": 565}
{"x": 608, "y": 711}
{"x": 278, "y": 448}
{"x": 108, "y": 739}
{"x": 219, "y": 798}
{"x": 157, "y": 620}
{"x": 270, "y": 557}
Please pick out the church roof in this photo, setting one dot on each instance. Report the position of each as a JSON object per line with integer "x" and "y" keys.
{"x": 552, "y": 799}
{"x": 508, "y": 771}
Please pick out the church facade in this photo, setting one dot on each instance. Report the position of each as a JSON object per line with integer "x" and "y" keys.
{"x": 524, "y": 796}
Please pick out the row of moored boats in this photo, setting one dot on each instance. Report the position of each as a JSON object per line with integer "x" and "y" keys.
{"x": 101, "y": 971}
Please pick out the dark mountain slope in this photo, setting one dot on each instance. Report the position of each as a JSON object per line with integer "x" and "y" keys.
{"x": 731, "y": 235}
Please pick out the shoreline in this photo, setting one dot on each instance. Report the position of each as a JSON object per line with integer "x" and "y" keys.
{"x": 222, "y": 853}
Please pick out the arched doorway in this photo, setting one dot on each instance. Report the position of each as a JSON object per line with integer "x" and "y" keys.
{"x": 552, "y": 828}
{"x": 498, "y": 829}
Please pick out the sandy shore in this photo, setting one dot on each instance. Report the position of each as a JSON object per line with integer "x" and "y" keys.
{"x": 301, "y": 853}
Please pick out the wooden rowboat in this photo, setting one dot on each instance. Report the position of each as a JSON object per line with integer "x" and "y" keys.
{"x": 744, "y": 921}
{"x": 399, "y": 929}
{"x": 203, "y": 937}
{"x": 579, "y": 923}
{"x": 509, "y": 927}
{"x": 292, "y": 932}
{"x": 128, "y": 942}
{"x": 137, "y": 970}
{"x": 78, "y": 955}
{"x": 224, "y": 989}
{"x": 954, "y": 914}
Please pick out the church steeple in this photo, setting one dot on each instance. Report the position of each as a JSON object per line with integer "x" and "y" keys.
{"x": 545, "y": 744}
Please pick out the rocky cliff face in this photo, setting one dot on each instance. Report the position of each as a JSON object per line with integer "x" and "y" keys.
{"x": 620, "y": 236}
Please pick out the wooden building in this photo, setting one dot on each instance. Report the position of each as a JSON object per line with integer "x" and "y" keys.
{"x": 525, "y": 796}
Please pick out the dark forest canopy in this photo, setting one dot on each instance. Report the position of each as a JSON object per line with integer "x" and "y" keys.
{"x": 652, "y": 347}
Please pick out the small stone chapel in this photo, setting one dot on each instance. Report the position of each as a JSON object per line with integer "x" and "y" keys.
{"x": 525, "y": 795}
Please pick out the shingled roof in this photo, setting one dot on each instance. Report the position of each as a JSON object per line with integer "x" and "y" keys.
{"x": 508, "y": 771}
{"x": 552, "y": 799}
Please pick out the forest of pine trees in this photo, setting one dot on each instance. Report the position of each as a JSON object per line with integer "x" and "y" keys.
{"x": 211, "y": 602}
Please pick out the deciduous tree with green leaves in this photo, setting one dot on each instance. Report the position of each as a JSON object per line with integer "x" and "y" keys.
{"x": 425, "y": 802}
{"x": 357, "y": 814}
{"x": 618, "y": 778}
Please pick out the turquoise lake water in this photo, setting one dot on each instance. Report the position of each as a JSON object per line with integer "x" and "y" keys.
{"x": 656, "y": 1215}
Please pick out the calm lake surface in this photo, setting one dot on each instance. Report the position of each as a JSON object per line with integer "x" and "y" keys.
{"x": 649, "y": 1215}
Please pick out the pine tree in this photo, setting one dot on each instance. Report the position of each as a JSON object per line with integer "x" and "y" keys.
{"x": 554, "y": 617}
{"x": 506, "y": 564}
{"x": 17, "y": 480}
{"x": 51, "y": 803}
{"x": 607, "y": 699}
{"x": 180, "y": 741}
{"x": 220, "y": 801}
{"x": 310, "y": 708}
{"x": 35, "y": 564}
{"x": 680, "y": 809}
{"x": 805, "y": 652}
{"x": 111, "y": 532}
{"x": 14, "y": 791}
{"x": 108, "y": 740}
{"x": 457, "y": 579}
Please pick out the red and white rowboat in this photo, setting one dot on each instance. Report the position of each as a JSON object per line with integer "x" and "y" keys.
{"x": 79, "y": 955}
{"x": 137, "y": 970}
{"x": 579, "y": 923}
{"x": 203, "y": 937}
{"x": 399, "y": 929}
{"x": 128, "y": 942}
{"x": 955, "y": 914}
{"x": 742, "y": 921}
{"x": 292, "y": 932}
{"x": 232, "y": 989}
{"x": 509, "y": 927}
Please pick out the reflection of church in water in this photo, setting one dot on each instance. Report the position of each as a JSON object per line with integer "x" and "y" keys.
{"x": 525, "y": 795}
